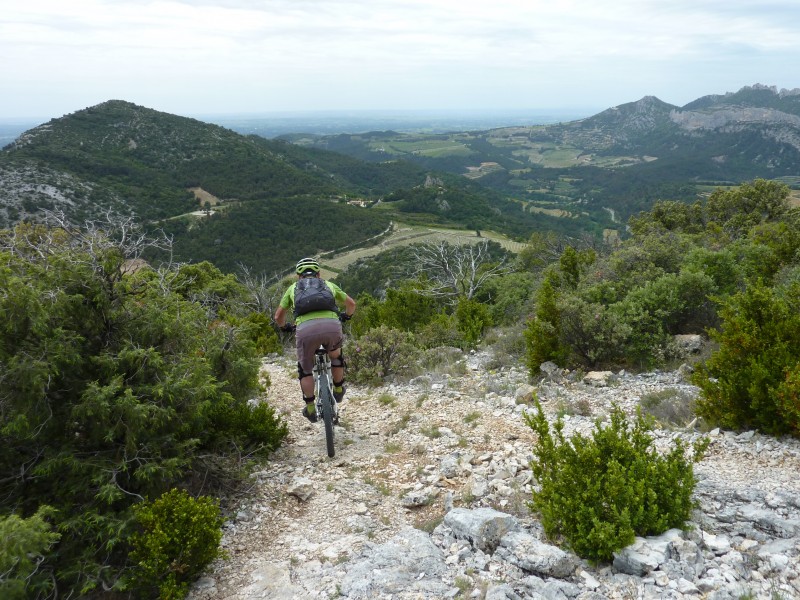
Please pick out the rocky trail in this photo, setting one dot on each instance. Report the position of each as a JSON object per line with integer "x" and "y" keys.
{"x": 426, "y": 499}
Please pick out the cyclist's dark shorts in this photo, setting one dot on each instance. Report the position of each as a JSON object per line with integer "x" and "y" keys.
{"x": 313, "y": 333}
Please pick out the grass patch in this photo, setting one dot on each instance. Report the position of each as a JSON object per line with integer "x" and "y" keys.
{"x": 386, "y": 399}
{"x": 431, "y": 432}
{"x": 393, "y": 447}
{"x": 400, "y": 425}
{"x": 471, "y": 419}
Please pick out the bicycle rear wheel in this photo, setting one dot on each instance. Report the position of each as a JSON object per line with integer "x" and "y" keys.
{"x": 326, "y": 400}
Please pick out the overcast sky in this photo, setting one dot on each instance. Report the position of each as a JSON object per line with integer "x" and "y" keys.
{"x": 200, "y": 57}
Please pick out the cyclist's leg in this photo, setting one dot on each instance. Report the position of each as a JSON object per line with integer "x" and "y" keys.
{"x": 305, "y": 365}
{"x": 337, "y": 363}
{"x": 328, "y": 333}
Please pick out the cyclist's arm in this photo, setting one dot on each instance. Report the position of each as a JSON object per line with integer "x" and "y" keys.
{"x": 286, "y": 303}
{"x": 341, "y": 296}
{"x": 349, "y": 306}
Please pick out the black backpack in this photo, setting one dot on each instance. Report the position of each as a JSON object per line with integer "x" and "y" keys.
{"x": 311, "y": 294}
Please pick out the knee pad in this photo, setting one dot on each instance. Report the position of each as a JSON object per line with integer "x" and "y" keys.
{"x": 339, "y": 361}
{"x": 302, "y": 374}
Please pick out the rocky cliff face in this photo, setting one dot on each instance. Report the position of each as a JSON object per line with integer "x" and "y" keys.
{"x": 426, "y": 499}
{"x": 651, "y": 126}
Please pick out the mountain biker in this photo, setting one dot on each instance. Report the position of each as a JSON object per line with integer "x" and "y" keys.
{"x": 315, "y": 303}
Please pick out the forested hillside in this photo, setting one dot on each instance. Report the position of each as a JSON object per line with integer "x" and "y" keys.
{"x": 272, "y": 201}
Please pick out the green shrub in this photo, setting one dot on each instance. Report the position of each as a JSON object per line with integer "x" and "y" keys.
{"x": 258, "y": 328}
{"x": 749, "y": 382}
{"x": 23, "y": 544}
{"x": 599, "y": 493}
{"x": 406, "y": 308}
{"x": 509, "y": 297}
{"x": 472, "y": 318}
{"x": 179, "y": 537}
{"x": 593, "y": 334}
{"x": 788, "y": 399}
{"x": 543, "y": 331}
{"x": 248, "y": 427}
{"x": 442, "y": 330}
{"x": 657, "y": 310}
{"x": 115, "y": 387}
{"x": 720, "y": 265}
{"x": 379, "y": 353}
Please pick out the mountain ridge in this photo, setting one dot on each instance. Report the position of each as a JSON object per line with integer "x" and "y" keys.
{"x": 131, "y": 160}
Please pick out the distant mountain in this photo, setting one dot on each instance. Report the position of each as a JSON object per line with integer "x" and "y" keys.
{"x": 618, "y": 161}
{"x": 753, "y": 132}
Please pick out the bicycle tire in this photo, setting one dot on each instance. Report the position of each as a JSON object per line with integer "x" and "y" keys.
{"x": 327, "y": 413}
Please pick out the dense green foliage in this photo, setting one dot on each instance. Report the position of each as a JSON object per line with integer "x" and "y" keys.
{"x": 624, "y": 306}
{"x": 727, "y": 266}
{"x": 23, "y": 545}
{"x": 599, "y": 493}
{"x": 752, "y": 380}
{"x": 179, "y": 536}
{"x": 117, "y": 386}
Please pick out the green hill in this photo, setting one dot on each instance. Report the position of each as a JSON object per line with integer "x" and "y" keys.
{"x": 269, "y": 201}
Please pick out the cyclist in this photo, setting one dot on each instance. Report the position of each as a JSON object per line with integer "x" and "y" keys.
{"x": 315, "y": 304}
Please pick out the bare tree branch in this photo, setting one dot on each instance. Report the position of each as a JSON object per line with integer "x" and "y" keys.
{"x": 455, "y": 271}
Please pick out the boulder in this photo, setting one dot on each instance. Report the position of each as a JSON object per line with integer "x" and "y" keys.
{"x": 599, "y": 378}
{"x": 483, "y": 527}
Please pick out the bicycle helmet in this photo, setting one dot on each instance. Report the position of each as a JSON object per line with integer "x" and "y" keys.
{"x": 307, "y": 266}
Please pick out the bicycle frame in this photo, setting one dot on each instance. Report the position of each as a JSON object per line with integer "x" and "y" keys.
{"x": 326, "y": 406}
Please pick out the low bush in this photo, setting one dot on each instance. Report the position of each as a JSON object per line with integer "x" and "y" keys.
{"x": 669, "y": 407}
{"x": 442, "y": 330}
{"x": 543, "y": 331}
{"x": 751, "y": 380}
{"x": 472, "y": 318}
{"x": 179, "y": 537}
{"x": 379, "y": 353}
{"x": 599, "y": 493}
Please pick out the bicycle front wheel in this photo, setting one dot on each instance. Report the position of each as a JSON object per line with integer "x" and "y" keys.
{"x": 326, "y": 400}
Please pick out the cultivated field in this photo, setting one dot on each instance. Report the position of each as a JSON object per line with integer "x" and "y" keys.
{"x": 403, "y": 235}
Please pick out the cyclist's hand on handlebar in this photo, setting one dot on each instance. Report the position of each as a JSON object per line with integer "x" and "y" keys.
{"x": 343, "y": 316}
{"x": 288, "y": 327}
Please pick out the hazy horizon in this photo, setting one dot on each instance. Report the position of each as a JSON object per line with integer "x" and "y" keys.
{"x": 330, "y": 122}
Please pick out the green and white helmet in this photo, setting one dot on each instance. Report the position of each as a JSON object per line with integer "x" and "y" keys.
{"x": 307, "y": 266}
